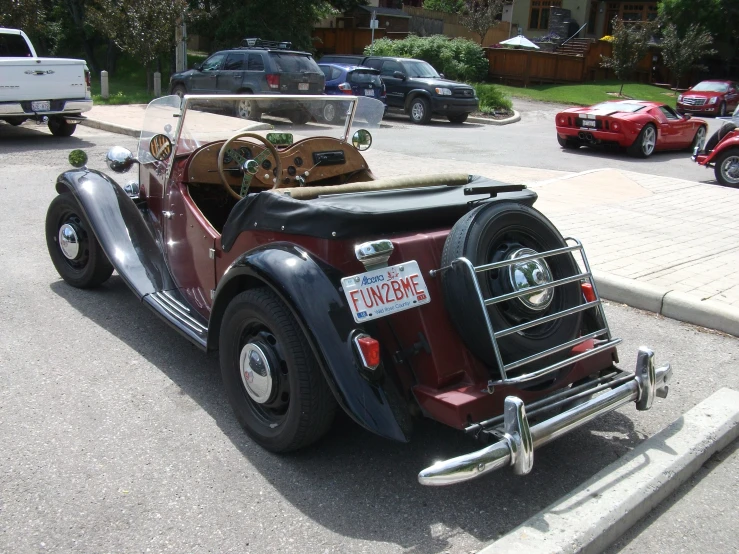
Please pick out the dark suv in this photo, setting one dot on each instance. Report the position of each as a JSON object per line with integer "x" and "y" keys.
{"x": 415, "y": 87}
{"x": 256, "y": 67}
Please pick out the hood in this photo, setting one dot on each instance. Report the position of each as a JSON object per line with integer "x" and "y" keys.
{"x": 183, "y": 74}
{"x": 702, "y": 94}
{"x": 434, "y": 82}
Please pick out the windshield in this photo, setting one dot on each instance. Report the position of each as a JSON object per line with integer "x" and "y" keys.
{"x": 280, "y": 118}
{"x": 420, "y": 69}
{"x": 708, "y": 86}
{"x": 617, "y": 106}
{"x": 365, "y": 77}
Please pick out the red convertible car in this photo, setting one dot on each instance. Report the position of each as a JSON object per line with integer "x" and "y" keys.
{"x": 324, "y": 288}
{"x": 640, "y": 127}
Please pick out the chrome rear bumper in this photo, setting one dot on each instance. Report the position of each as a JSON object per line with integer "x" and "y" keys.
{"x": 516, "y": 448}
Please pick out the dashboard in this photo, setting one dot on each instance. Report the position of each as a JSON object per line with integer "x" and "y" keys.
{"x": 316, "y": 160}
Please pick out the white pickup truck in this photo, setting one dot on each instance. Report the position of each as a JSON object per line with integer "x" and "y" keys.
{"x": 55, "y": 90}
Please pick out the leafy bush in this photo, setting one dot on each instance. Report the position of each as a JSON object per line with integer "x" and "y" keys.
{"x": 458, "y": 59}
{"x": 491, "y": 98}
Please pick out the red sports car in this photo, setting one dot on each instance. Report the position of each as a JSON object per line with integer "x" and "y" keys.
{"x": 640, "y": 127}
{"x": 712, "y": 97}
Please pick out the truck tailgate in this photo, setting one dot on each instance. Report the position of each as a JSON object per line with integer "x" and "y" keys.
{"x": 41, "y": 79}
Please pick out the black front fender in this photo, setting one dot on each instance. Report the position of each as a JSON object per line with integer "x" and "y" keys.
{"x": 120, "y": 228}
{"x": 311, "y": 289}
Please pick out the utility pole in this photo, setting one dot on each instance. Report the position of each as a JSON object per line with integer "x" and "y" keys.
{"x": 373, "y": 26}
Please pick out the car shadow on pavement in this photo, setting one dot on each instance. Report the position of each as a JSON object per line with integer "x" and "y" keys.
{"x": 29, "y": 136}
{"x": 353, "y": 482}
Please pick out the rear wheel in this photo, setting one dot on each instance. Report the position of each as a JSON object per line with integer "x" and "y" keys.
{"x": 271, "y": 376}
{"x": 248, "y": 109}
{"x": 505, "y": 231}
{"x": 726, "y": 168}
{"x": 569, "y": 143}
{"x": 420, "y": 111}
{"x": 15, "y": 121}
{"x": 73, "y": 248}
{"x": 458, "y": 118}
{"x": 330, "y": 112}
{"x": 645, "y": 143}
{"x": 300, "y": 117}
{"x": 59, "y": 127}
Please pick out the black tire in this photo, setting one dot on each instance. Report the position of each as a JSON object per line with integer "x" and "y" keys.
{"x": 639, "y": 148}
{"x": 458, "y": 118}
{"x": 60, "y": 128}
{"x": 571, "y": 144}
{"x": 716, "y": 137}
{"x": 729, "y": 157}
{"x": 722, "y": 109}
{"x": 15, "y": 121}
{"x": 179, "y": 90}
{"x": 247, "y": 109}
{"x": 419, "y": 111}
{"x": 300, "y": 117}
{"x": 90, "y": 268}
{"x": 300, "y": 407}
{"x": 490, "y": 233}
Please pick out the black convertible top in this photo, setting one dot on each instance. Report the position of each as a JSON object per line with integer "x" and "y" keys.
{"x": 342, "y": 216}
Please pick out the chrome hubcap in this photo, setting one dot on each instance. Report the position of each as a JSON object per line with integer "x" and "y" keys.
{"x": 417, "y": 110}
{"x": 256, "y": 373}
{"x": 524, "y": 275}
{"x": 650, "y": 139}
{"x": 700, "y": 138}
{"x": 329, "y": 112}
{"x": 244, "y": 109}
{"x": 69, "y": 242}
{"x": 730, "y": 169}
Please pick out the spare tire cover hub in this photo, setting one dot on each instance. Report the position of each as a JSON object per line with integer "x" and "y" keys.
{"x": 531, "y": 273}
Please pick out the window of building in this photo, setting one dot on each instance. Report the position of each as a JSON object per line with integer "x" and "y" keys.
{"x": 539, "y": 13}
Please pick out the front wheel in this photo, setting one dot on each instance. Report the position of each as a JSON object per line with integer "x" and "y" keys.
{"x": 59, "y": 127}
{"x": 645, "y": 143}
{"x": 726, "y": 168}
{"x": 457, "y": 118}
{"x": 271, "y": 376}
{"x": 73, "y": 248}
{"x": 420, "y": 111}
{"x": 699, "y": 139}
{"x": 179, "y": 90}
{"x": 722, "y": 109}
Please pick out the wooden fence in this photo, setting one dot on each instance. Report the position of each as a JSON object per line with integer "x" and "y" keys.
{"x": 347, "y": 41}
{"x": 535, "y": 66}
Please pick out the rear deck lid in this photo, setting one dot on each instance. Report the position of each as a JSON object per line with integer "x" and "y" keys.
{"x": 42, "y": 79}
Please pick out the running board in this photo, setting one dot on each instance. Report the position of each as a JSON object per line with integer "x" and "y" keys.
{"x": 174, "y": 309}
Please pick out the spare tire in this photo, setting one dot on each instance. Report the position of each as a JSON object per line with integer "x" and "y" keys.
{"x": 504, "y": 230}
{"x": 725, "y": 129}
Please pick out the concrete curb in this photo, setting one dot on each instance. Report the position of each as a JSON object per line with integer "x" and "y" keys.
{"x": 599, "y": 511}
{"x": 669, "y": 303}
{"x": 485, "y": 121}
{"x": 111, "y": 127}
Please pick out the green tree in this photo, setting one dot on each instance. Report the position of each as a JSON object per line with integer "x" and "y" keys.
{"x": 630, "y": 45}
{"x": 481, "y": 15}
{"x": 447, "y": 6}
{"x": 682, "y": 52}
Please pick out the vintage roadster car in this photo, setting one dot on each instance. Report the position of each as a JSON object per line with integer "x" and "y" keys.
{"x": 442, "y": 296}
{"x": 721, "y": 152}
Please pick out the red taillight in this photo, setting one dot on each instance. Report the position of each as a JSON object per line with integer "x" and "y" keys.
{"x": 346, "y": 88}
{"x": 88, "y": 79}
{"x": 273, "y": 81}
{"x": 561, "y": 120}
{"x": 588, "y": 292}
{"x": 369, "y": 351}
{"x": 615, "y": 126}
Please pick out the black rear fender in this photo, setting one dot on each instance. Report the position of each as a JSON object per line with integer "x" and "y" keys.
{"x": 311, "y": 290}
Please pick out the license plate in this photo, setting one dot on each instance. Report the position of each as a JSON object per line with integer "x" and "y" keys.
{"x": 369, "y": 92}
{"x": 302, "y": 86}
{"x": 41, "y": 106}
{"x": 385, "y": 291}
{"x": 588, "y": 123}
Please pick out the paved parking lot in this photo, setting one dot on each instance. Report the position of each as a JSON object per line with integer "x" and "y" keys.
{"x": 117, "y": 436}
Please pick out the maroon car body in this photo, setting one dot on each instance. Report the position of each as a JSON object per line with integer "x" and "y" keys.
{"x": 722, "y": 153}
{"x": 640, "y": 127}
{"x": 713, "y": 97}
{"x": 272, "y": 278}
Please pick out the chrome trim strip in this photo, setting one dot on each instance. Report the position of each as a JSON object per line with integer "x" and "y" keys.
{"x": 503, "y": 453}
{"x": 547, "y": 254}
{"x": 173, "y": 299}
{"x": 546, "y": 319}
{"x": 178, "y": 313}
{"x": 598, "y": 299}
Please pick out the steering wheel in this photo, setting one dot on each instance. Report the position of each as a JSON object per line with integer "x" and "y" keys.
{"x": 249, "y": 167}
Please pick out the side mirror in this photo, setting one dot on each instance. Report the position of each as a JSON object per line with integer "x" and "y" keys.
{"x": 442, "y": 75}
{"x": 362, "y": 139}
{"x": 399, "y": 75}
{"x": 197, "y": 66}
{"x": 687, "y": 116}
{"x": 119, "y": 159}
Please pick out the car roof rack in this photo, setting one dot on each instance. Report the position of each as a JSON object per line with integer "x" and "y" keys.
{"x": 260, "y": 43}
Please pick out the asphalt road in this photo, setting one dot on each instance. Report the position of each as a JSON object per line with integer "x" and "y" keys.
{"x": 532, "y": 142}
{"x": 117, "y": 437}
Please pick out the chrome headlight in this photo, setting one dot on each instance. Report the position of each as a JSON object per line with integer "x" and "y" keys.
{"x": 441, "y": 91}
{"x": 713, "y": 100}
{"x": 680, "y": 98}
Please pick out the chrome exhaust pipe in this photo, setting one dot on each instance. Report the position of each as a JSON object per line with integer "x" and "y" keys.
{"x": 519, "y": 441}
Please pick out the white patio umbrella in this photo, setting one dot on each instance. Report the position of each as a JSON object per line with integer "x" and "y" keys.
{"x": 520, "y": 41}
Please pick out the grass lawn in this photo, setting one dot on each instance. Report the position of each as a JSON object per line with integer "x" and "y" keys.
{"x": 128, "y": 84}
{"x": 586, "y": 94}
